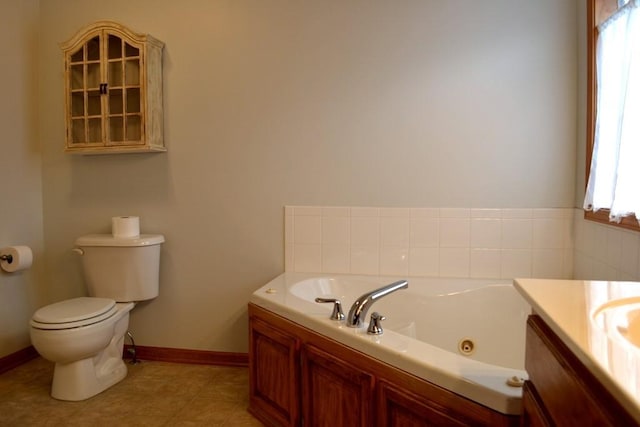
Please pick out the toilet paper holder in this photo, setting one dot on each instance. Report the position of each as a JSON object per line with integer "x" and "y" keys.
{"x": 8, "y": 258}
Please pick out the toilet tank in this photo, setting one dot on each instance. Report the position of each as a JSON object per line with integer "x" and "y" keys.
{"x": 123, "y": 269}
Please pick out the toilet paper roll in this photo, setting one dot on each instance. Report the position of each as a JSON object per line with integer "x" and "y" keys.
{"x": 125, "y": 227}
{"x": 16, "y": 258}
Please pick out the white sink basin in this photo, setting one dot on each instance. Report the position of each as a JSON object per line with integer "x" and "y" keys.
{"x": 620, "y": 319}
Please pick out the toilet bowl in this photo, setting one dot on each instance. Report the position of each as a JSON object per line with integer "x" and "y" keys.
{"x": 84, "y": 337}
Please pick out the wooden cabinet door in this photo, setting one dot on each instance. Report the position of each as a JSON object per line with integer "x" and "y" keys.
{"x": 335, "y": 392}
{"x": 274, "y": 386}
{"x": 400, "y": 408}
{"x": 567, "y": 390}
{"x": 533, "y": 413}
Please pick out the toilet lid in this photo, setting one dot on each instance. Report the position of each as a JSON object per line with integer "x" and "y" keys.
{"x": 73, "y": 313}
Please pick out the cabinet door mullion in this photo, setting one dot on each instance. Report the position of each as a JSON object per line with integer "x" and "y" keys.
{"x": 104, "y": 99}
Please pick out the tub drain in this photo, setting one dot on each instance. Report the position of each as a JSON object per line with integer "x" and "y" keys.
{"x": 466, "y": 346}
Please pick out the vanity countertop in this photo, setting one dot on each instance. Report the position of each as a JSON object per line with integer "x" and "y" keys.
{"x": 573, "y": 309}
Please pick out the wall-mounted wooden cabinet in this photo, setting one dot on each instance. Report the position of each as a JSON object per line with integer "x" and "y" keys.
{"x": 113, "y": 91}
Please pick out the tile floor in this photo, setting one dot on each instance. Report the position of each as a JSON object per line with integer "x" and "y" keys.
{"x": 153, "y": 394}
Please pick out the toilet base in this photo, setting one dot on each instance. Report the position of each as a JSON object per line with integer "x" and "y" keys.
{"x": 81, "y": 380}
{"x": 85, "y": 378}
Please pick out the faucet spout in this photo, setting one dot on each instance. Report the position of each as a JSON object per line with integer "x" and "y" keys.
{"x": 358, "y": 310}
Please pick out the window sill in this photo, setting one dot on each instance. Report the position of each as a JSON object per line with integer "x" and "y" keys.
{"x": 602, "y": 216}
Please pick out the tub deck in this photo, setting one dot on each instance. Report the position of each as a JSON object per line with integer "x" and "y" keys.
{"x": 480, "y": 382}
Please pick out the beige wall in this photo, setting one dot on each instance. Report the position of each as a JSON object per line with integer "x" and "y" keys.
{"x": 372, "y": 103}
{"x": 20, "y": 170}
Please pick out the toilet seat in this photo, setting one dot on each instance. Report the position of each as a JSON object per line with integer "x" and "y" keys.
{"x": 74, "y": 313}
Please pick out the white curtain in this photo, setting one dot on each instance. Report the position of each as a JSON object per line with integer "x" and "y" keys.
{"x": 614, "y": 181}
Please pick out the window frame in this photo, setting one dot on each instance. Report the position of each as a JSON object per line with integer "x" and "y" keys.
{"x": 598, "y": 11}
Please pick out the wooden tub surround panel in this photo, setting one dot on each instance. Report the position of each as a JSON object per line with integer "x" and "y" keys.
{"x": 298, "y": 377}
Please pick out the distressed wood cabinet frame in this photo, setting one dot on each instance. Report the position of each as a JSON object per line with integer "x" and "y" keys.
{"x": 113, "y": 91}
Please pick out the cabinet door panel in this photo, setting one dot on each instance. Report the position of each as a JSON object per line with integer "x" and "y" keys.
{"x": 564, "y": 386}
{"x": 274, "y": 385}
{"x": 335, "y": 392}
{"x": 404, "y": 409}
{"x": 533, "y": 414}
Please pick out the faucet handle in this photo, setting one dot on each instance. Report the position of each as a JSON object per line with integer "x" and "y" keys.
{"x": 374, "y": 325}
{"x": 337, "y": 313}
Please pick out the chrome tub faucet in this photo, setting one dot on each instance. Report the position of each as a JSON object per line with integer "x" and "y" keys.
{"x": 358, "y": 310}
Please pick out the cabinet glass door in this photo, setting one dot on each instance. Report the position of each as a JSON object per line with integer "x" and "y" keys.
{"x": 85, "y": 100}
{"x": 124, "y": 100}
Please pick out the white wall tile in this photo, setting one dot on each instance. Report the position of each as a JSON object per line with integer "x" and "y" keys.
{"x": 424, "y": 262}
{"x": 364, "y": 259}
{"x": 365, "y": 231}
{"x": 485, "y": 233}
{"x": 599, "y": 270}
{"x": 484, "y": 263}
{"x": 335, "y": 230}
{"x": 578, "y": 229}
{"x": 336, "y": 259}
{"x": 548, "y": 233}
{"x": 582, "y": 266}
{"x": 288, "y": 228}
{"x": 630, "y": 252}
{"x": 394, "y": 261}
{"x": 567, "y": 263}
{"x": 614, "y": 248}
{"x": 518, "y": 213}
{"x": 307, "y": 210}
{"x": 288, "y": 257}
{"x": 517, "y": 234}
{"x": 394, "y": 231}
{"x": 598, "y": 241}
{"x": 460, "y": 242}
{"x": 568, "y": 233}
{"x": 604, "y": 252}
{"x": 454, "y": 262}
{"x": 486, "y": 213}
{"x": 455, "y": 213}
{"x": 394, "y": 212}
{"x": 551, "y": 213}
{"x": 307, "y": 258}
{"x": 588, "y": 238}
{"x": 424, "y": 232}
{"x": 307, "y": 229}
{"x": 548, "y": 263}
{"x": 363, "y": 211}
{"x": 336, "y": 211}
{"x": 424, "y": 213}
{"x": 515, "y": 263}
{"x": 454, "y": 232}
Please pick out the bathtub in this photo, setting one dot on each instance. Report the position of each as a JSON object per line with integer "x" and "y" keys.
{"x": 465, "y": 335}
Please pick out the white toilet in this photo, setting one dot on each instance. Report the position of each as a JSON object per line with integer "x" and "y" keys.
{"x": 85, "y": 336}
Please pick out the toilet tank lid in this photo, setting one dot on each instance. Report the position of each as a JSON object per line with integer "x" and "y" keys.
{"x": 109, "y": 240}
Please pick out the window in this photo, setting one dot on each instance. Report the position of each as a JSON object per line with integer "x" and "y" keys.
{"x": 613, "y": 149}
